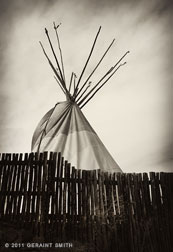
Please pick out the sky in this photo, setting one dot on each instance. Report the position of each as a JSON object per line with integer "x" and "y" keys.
{"x": 131, "y": 114}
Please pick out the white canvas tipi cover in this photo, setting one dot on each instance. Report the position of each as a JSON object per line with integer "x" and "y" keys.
{"x": 65, "y": 129}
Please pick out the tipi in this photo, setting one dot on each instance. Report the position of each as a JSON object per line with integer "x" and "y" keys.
{"x": 64, "y": 128}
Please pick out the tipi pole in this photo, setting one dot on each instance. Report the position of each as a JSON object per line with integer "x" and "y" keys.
{"x": 74, "y": 84}
{"x": 107, "y": 73}
{"x": 88, "y": 59}
{"x": 47, "y": 34}
{"x": 89, "y": 84}
{"x": 70, "y": 82}
{"x": 59, "y": 46}
{"x": 95, "y": 68}
{"x": 56, "y": 73}
{"x": 59, "y": 84}
{"x": 102, "y": 85}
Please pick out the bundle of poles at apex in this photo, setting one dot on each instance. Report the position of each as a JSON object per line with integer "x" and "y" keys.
{"x": 80, "y": 94}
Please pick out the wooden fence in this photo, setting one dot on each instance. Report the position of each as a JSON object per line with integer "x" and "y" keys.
{"x": 95, "y": 211}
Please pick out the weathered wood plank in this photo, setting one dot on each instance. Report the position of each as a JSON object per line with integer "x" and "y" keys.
{"x": 13, "y": 200}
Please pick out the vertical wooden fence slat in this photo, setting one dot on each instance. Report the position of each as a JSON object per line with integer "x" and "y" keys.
{"x": 121, "y": 231}
{"x": 116, "y": 215}
{"x": 21, "y": 189}
{"x": 35, "y": 203}
{"x": 79, "y": 175}
{"x": 139, "y": 211}
{"x": 1, "y": 170}
{"x": 40, "y": 159}
{"x": 24, "y": 188}
{"x": 160, "y": 234}
{"x": 18, "y": 190}
{"x": 53, "y": 192}
{"x": 5, "y": 186}
{"x": 43, "y": 217}
{"x": 61, "y": 198}
{"x": 74, "y": 204}
{"x": 69, "y": 202}
{"x": 170, "y": 207}
{"x": 170, "y": 210}
{"x": 33, "y": 193}
{"x": 154, "y": 212}
{"x": 105, "y": 211}
{"x": 97, "y": 226}
{"x": 64, "y": 202}
{"x": 13, "y": 185}
{"x": 7, "y": 205}
{"x": 91, "y": 217}
{"x": 3, "y": 177}
{"x": 131, "y": 211}
{"x": 87, "y": 206}
{"x": 84, "y": 235}
{"x": 48, "y": 202}
{"x": 57, "y": 197}
{"x": 29, "y": 191}
{"x": 102, "y": 241}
